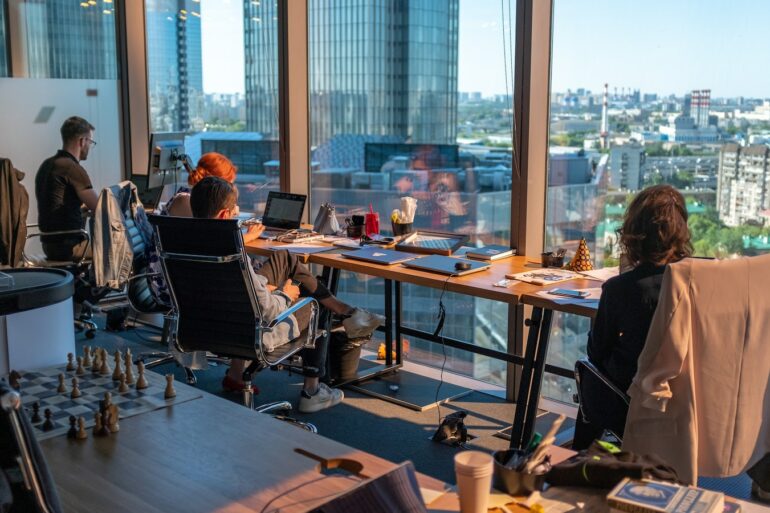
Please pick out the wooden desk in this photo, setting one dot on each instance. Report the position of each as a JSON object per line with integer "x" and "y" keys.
{"x": 203, "y": 456}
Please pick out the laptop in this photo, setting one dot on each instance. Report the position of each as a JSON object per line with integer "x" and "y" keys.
{"x": 380, "y": 256}
{"x": 283, "y": 212}
{"x": 446, "y": 265}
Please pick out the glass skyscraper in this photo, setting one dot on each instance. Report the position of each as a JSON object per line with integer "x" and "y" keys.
{"x": 66, "y": 39}
{"x": 377, "y": 68}
{"x": 175, "y": 74}
{"x": 4, "y": 71}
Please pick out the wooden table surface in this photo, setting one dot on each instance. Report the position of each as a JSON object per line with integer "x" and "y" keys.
{"x": 478, "y": 284}
{"x": 203, "y": 456}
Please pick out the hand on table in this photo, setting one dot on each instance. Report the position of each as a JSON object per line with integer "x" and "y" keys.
{"x": 253, "y": 232}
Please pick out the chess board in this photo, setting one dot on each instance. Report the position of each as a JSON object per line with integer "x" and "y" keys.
{"x": 40, "y": 385}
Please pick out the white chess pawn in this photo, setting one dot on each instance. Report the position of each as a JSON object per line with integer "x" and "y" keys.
{"x": 141, "y": 381}
{"x": 86, "y": 356}
{"x": 80, "y": 371}
{"x": 70, "y": 362}
{"x": 170, "y": 392}
{"x": 62, "y": 387}
{"x": 75, "y": 389}
{"x": 123, "y": 387}
{"x": 82, "y": 434}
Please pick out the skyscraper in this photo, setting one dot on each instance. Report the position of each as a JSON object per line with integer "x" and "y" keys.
{"x": 66, "y": 39}
{"x": 384, "y": 67}
{"x": 4, "y": 71}
{"x": 175, "y": 74}
{"x": 743, "y": 184}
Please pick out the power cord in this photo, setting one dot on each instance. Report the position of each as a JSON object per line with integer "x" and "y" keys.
{"x": 439, "y": 333}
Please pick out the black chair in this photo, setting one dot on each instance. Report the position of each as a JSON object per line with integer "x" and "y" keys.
{"x": 602, "y": 405}
{"x": 215, "y": 308}
{"x": 80, "y": 269}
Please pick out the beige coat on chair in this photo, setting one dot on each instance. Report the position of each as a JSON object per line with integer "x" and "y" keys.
{"x": 701, "y": 396}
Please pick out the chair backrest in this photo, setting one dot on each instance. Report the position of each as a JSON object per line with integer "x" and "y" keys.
{"x": 208, "y": 274}
{"x": 601, "y": 403}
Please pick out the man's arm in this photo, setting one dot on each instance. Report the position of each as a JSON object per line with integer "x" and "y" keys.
{"x": 89, "y": 198}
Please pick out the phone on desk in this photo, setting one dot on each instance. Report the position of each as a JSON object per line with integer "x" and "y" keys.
{"x": 577, "y": 294}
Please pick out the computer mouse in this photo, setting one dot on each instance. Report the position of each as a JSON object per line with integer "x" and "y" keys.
{"x": 462, "y": 266}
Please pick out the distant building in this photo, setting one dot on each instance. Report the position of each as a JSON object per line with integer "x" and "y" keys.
{"x": 569, "y": 169}
{"x": 743, "y": 184}
{"x": 627, "y": 166}
{"x": 685, "y": 130}
{"x": 4, "y": 71}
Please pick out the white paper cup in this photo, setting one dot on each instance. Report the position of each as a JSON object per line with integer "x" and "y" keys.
{"x": 473, "y": 470}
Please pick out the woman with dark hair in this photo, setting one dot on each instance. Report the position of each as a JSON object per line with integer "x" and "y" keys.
{"x": 654, "y": 234}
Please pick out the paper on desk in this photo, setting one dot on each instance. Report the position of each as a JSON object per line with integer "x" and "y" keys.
{"x": 603, "y": 274}
{"x": 591, "y": 300}
{"x": 304, "y": 248}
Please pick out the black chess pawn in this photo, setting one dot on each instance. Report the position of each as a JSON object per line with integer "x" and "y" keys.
{"x": 73, "y": 431}
{"x": 35, "y": 413}
{"x": 48, "y": 424}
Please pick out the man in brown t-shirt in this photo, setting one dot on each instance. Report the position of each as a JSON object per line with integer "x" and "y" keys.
{"x": 62, "y": 187}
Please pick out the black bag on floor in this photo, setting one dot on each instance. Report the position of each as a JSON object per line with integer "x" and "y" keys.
{"x": 344, "y": 355}
{"x": 25, "y": 484}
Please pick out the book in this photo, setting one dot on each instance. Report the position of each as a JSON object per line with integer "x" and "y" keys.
{"x": 490, "y": 253}
{"x": 543, "y": 276}
{"x": 648, "y": 496}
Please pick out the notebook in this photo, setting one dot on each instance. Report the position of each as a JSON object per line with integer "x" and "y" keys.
{"x": 445, "y": 265}
{"x": 490, "y": 253}
{"x": 377, "y": 255}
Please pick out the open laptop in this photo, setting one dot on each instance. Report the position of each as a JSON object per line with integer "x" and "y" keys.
{"x": 445, "y": 265}
{"x": 380, "y": 256}
{"x": 283, "y": 212}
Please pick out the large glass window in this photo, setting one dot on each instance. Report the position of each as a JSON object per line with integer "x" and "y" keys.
{"x": 67, "y": 65}
{"x": 655, "y": 99}
{"x": 415, "y": 99}
{"x": 203, "y": 59}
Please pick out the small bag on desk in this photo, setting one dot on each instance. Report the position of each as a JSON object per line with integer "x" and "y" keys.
{"x": 326, "y": 220}
{"x": 25, "y": 484}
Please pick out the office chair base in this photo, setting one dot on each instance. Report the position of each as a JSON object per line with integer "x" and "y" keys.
{"x": 307, "y": 426}
{"x": 161, "y": 358}
{"x": 88, "y": 325}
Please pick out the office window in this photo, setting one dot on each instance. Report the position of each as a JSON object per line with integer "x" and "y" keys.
{"x": 202, "y": 56}
{"x": 415, "y": 99}
{"x": 67, "y": 65}
{"x": 685, "y": 105}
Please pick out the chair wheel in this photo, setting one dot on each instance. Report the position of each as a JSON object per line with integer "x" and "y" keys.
{"x": 90, "y": 334}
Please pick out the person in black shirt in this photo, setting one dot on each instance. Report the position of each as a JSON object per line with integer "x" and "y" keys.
{"x": 654, "y": 233}
{"x": 62, "y": 187}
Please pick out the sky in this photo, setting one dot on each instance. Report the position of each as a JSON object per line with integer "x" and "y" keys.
{"x": 657, "y": 46}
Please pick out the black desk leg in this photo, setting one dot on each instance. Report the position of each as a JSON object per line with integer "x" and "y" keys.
{"x": 399, "y": 342}
{"x": 531, "y": 377}
{"x": 388, "y": 323}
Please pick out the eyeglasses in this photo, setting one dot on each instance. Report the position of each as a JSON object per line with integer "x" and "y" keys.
{"x": 93, "y": 143}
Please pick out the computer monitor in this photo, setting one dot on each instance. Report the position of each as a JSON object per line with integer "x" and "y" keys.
{"x": 166, "y": 159}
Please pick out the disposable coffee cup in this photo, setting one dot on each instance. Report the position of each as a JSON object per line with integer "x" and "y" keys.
{"x": 473, "y": 470}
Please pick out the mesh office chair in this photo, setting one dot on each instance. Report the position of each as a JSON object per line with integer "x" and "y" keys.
{"x": 215, "y": 308}
{"x": 602, "y": 405}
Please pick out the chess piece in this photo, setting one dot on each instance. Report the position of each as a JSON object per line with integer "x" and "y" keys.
{"x": 48, "y": 424}
{"x": 104, "y": 369}
{"x": 97, "y": 363}
{"x": 582, "y": 259}
{"x": 113, "y": 424}
{"x": 80, "y": 371}
{"x": 14, "y": 379}
{"x": 73, "y": 431}
{"x": 141, "y": 381}
{"x": 118, "y": 360}
{"x": 123, "y": 387}
{"x": 35, "y": 413}
{"x": 170, "y": 392}
{"x": 62, "y": 387}
{"x": 99, "y": 427}
{"x": 82, "y": 434}
{"x": 75, "y": 389}
{"x": 86, "y": 356}
{"x": 70, "y": 362}
{"x": 129, "y": 368}
{"x": 107, "y": 400}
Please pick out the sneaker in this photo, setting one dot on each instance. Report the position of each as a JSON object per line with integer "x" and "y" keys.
{"x": 362, "y": 323}
{"x": 324, "y": 398}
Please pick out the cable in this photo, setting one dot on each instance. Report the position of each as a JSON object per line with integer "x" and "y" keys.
{"x": 439, "y": 333}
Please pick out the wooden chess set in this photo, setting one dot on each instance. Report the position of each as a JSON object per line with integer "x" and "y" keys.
{"x": 89, "y": 392}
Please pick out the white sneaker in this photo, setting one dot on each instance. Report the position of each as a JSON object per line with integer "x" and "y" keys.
{"x": 362, "y": 323}
{"x": 324, "y": 398}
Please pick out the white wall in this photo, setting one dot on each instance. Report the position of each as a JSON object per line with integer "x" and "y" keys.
{"x": 28, "y": 143}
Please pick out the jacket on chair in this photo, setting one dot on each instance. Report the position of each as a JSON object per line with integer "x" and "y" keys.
{"x": 701, "y": 396}
{"x": 14, "y": 205}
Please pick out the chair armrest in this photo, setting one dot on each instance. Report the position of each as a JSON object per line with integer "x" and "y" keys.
{"x": 590, "y": 367}
{"x": 289, "y": 311}
{"x": 142, "y": 275}
{"x": 79, "y": 231}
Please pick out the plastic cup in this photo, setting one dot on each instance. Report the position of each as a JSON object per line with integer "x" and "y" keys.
{"x": 372, "y": 223}
{"x": 473, "y": 470}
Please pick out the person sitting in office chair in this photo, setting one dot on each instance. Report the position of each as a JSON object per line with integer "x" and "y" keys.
{"x": 654, "y": 234}
{"x": 62, "y": 187}
{"x": 274, "y": 283}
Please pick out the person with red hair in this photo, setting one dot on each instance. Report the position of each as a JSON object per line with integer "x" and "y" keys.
{"x": 210, "y": 164}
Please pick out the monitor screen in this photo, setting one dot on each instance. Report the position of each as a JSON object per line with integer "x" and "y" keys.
{"x": 166, "y": 154}
{"x": 284, "y": 210}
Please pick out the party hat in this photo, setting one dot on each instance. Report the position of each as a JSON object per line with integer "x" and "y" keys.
{"x": 582, "y": 259}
